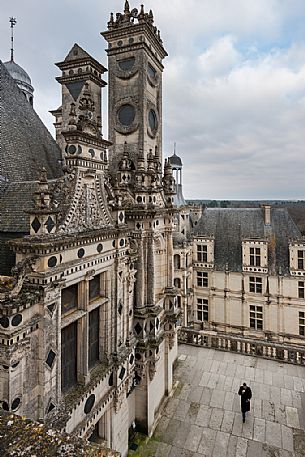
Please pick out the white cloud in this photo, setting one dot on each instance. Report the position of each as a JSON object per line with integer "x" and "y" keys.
{"x": 243, "y": 121}
{"x": 219, "y": 59}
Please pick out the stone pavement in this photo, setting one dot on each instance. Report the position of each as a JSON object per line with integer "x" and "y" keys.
{"x": 203, "y": 417}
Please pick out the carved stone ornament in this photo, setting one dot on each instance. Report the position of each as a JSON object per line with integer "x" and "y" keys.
{"x": 88, "y": 206}
{"x": 13, "y": 286}
{"x": 171, "y": 339}
{"x": 151, "y": 370}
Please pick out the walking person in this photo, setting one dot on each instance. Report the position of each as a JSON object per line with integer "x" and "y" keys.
{"x": 245, "y": 396}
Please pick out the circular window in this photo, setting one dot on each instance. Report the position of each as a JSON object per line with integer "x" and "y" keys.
{"x": 152, "y": 119}
{"x": 81, "y": 253}
{"x": 17, "y": 320}
{"x": 126, "y": 115}
{"x": 89, "y": 404}
{"x": 127, "y": 64}
{"x": 91, "y": 152}
{"x": 72, "y": 149}
{"x": 122, "y": 242}
{"x": 5, "y": 406}
{"x": 52, "y": 262}
{"x": 15, "y": 404}
{"x": 99, "y": 248}
{"x": 4, "y": 322}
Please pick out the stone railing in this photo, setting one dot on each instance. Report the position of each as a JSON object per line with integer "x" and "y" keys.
{"x": 245, "y": 346}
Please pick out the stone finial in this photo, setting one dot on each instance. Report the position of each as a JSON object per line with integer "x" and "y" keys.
{"x": 127, "y": 7}
{"x": 111, "y": 21}
{"x": 43, "y": 175}
{"x": 141, "y": 13}
{"x": 151, "y": 17}
{"x": 141, "y": 160}
{"x": 125, "y": 152}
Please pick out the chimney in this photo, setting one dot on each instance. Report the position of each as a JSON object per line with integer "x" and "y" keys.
{"x": 267, "y": 214}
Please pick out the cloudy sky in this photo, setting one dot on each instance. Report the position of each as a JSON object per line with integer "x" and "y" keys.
{"x": 234, "y": 83}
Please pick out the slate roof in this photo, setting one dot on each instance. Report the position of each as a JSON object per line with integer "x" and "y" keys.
{"x": 17, "y": 199}
{"x": 26, "y": 144}
{"x": 230, "y": 226}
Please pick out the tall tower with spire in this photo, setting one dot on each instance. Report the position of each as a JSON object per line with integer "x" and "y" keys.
{"x": 17, "y": 73}
{"x": 135, "y": 55}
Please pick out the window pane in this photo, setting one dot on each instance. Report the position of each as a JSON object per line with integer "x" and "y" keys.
{"x": 94, "y": 288}
{"x": 126, "y": 115}
{"x": 69, "y": 356}
{"x": 94, "y": 334}
{"x": 69, "y": 298}
{"x": 127, "y": 64}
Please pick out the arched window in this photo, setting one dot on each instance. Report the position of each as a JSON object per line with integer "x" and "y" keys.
{"x": 177, "y": 283}
{"x": 177, "y": 261}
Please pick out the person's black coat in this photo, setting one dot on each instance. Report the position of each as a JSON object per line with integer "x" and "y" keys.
{"x": 245, "y": 397}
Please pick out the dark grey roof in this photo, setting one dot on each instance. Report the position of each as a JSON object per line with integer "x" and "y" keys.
{"x": 26, "y": 146}
{"x": 15, "y": 199}
{"x": 175, "y": 161}
{"x": 230, "y": 226}
{"x": 17, "y": 72}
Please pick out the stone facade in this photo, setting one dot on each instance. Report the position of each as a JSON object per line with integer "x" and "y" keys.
{"x": 89, "y": 318}
{"x": 241, "y": 272}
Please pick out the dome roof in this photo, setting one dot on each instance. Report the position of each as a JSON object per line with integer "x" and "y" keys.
{"x": 17, "y": 73}
{"x": 175, "y": 161}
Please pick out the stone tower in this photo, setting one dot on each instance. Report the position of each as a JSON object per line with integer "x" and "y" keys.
{"x": 81, "y": 81}
{"x": 135, "y": 54}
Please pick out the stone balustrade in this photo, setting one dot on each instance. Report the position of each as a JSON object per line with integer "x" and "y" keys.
{"x": 246, "y": 346}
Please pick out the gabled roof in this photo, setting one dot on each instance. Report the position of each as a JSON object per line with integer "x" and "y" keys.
{"x": 26, "y": 144}
{"x": 231, "y": 226}
{"x": 76, "y": 56}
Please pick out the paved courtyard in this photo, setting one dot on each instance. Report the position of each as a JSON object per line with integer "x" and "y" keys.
{"x": 203, "y": 417}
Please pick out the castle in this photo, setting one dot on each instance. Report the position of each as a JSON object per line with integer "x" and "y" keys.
{"x": 109, "y": 261}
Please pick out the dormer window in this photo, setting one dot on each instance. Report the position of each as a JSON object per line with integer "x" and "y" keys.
{"x": 297, "y": 257}
{"x": 255, "y": 257}
{"x": 202, "y": 253}
{"x": 301, "y": 259}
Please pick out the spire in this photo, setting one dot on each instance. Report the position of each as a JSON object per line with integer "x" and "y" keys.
{"x": 175, "y": 148}
{"x": 127, "y": 7}
{"x": 13, "y": 23}
{"x": 141, "y": 13}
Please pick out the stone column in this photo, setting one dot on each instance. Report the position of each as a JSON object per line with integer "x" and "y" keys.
{"x": 82, "y": 333}
{"x": 170, "y": 257}
{"x": 150, "y": 270}
{"x": 139, "y": 289}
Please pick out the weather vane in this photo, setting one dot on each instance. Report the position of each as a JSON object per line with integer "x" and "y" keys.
{"x": 13, "y": 23}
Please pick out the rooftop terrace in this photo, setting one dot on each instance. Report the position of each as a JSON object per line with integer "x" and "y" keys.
{"x": 203, "y": 417}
